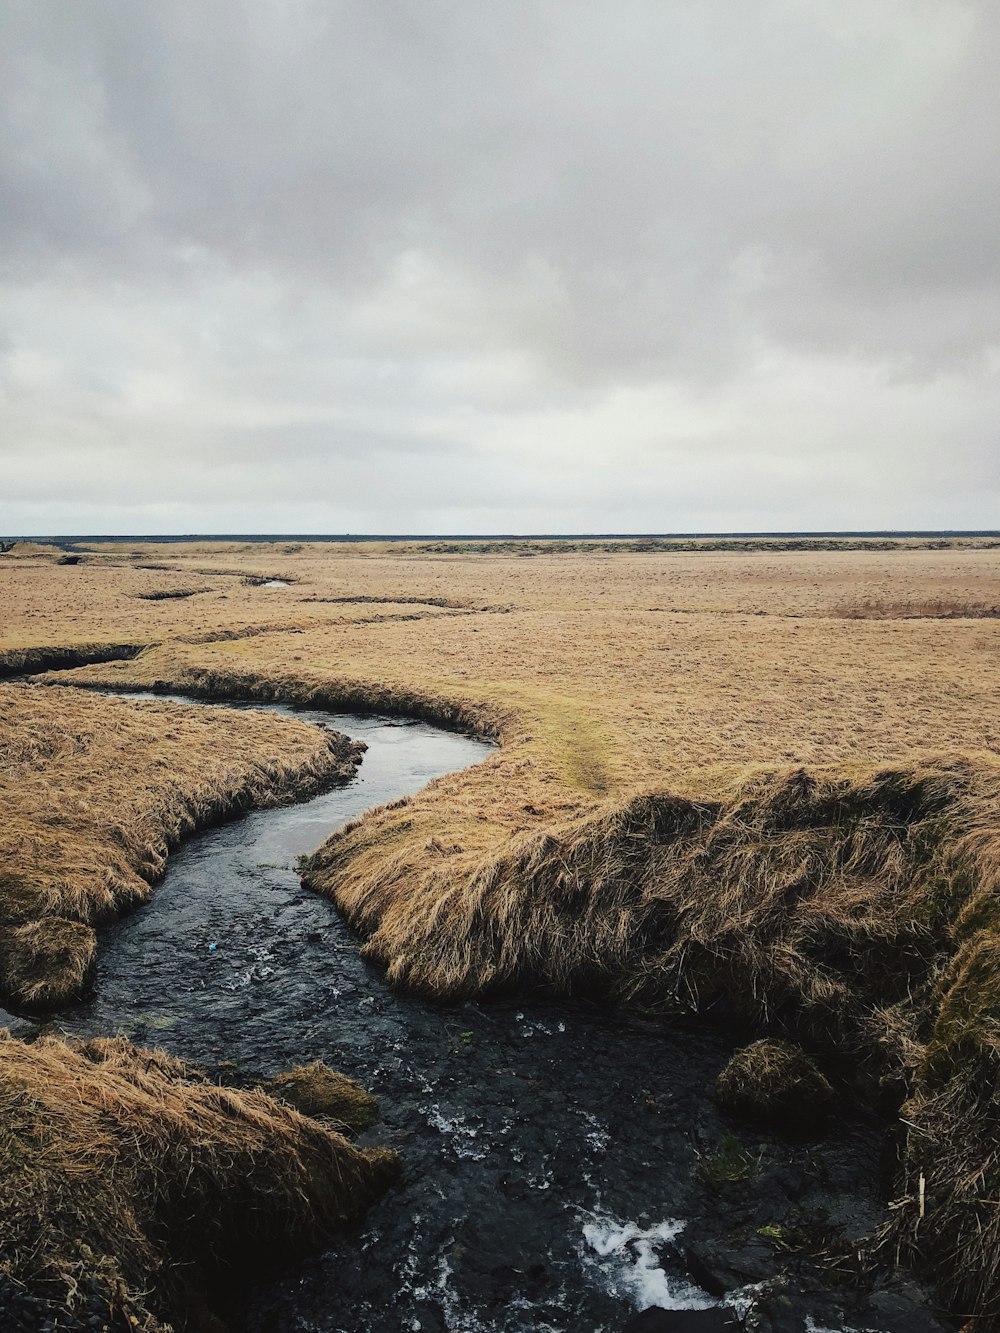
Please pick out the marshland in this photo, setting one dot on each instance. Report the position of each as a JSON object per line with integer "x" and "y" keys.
{"x": 622, "y": 814}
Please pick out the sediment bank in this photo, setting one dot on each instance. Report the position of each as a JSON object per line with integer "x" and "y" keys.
{"x": 164, "y": 673}
{"x": 30, "y": 661}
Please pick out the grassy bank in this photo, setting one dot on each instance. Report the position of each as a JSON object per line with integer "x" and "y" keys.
{"x": 96, "y": 791}
{"x": 166, "y": 672}
{"x": 130, "y": 1185}
{"x": 30, "y": 661}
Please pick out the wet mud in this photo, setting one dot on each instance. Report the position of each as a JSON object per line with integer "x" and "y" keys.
{"x": 565, "y": 1164}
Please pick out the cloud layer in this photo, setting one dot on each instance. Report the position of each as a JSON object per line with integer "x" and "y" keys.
{"x": 332, "y": 266}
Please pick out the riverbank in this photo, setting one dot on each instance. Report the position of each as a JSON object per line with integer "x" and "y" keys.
{"x": 854, "y": 913}
{"x": 135, "y": 1193}
{"x": 96, "y": 791}
{"x": 851, "y": 912}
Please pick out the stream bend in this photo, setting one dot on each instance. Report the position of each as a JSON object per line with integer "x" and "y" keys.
{"x": 551, "y": 1150}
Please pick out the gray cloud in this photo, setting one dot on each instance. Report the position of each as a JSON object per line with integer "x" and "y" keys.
{"x": 442, "y": 265}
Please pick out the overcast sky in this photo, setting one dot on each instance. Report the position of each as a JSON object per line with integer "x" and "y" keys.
{"x": 458, "y": 266}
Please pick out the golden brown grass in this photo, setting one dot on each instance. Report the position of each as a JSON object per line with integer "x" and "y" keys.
{"x": 781, "y": 894}
{"x": 776, "y": 1082}
{"x": 318, "y": 1091}
{"x": 713, "y": 788}
{"x": 931, "y": 608}
{"x": 857, "y": 913}
{"x": 95, "y": 791}
{"x": 122, "y": 1169}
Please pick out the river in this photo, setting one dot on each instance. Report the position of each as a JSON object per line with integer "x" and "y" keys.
{"x": 554, "y": 1153}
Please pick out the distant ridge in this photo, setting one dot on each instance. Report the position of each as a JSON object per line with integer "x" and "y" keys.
{"x": 90, "y": 538}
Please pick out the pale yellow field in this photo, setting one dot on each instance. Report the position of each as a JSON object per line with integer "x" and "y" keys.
{"x": 603, "y": 673}
{"x": 621, "y": 669}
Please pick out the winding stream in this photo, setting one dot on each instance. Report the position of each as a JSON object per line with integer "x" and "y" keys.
{"x": 551, "y": 1150}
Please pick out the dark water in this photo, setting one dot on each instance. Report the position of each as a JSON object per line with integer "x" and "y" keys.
{"x": 551, "y": 1151}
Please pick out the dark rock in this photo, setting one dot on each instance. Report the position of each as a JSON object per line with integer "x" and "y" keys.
{"x": 710, "y": 1270}
{"x": 718, "y": 1269}
{"x": 782, "y": 1321}
{"x": 655, "y": 1320}
{"x": 788, "y": 1182}
{"x": 902, "y": 1308}
{"x": 775, "y": 1082}
{"x": 68, "y": 560}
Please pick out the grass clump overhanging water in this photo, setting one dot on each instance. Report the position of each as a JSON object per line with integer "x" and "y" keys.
{"x": 857, "y": 913}
{"x": 123, "y": 1172}
{"x": 775, "y": 1082}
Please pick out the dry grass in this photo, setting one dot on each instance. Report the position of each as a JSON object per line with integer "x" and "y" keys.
{"x": 713, "y": 788}
{"x": 858, "y": 914}
{"x": 122, "y": 1170}
{"x": 775, "y": 1082}
{"x": 931, "y": 608}
{"x": 31, "y": 660}
{"x": 96, "y": 791}
{"x": 318, "y": 1091}
{"x": 814, "y": 901}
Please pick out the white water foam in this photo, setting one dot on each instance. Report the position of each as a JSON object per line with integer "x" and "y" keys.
{"x": 259, "y": 970}
{"x": 461, "y": 1136}
{"x": 597, "y": 1136}
{"x": 542, "y": 1181}
{"x": 535, "y": 1027}
{"x": 624, "y": 1258}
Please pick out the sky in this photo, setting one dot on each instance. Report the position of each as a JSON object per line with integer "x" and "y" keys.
{"x": 447, "y": 266}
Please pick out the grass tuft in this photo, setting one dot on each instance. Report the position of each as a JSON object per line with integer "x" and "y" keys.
{"x": 777, "y": 1083}
{"x": 730, "y": 1164}
{"x": 321, "y": 1092}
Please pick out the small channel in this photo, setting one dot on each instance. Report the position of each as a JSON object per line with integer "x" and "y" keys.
{"x": 553, "y": 1152}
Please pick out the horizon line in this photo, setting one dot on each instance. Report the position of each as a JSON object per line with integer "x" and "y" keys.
{"x": 57, "y": 538}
